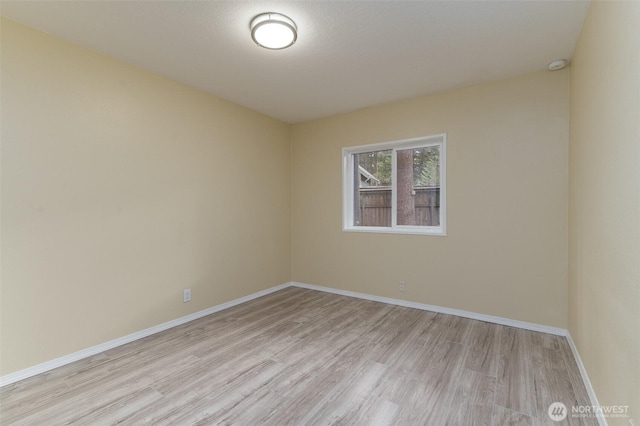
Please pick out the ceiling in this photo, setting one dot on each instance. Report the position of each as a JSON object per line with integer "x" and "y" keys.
{"x": 349, "y": 55}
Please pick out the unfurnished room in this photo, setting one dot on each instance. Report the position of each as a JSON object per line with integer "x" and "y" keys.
{"x": 320, "y": 212}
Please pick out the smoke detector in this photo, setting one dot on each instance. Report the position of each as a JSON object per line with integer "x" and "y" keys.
{"x": 556, "y": 65}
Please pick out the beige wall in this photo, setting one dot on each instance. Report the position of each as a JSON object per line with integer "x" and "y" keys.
{"x": 120, "y": 189}
{"x": 507, "y": 175}
{"x": 604, "y": 274}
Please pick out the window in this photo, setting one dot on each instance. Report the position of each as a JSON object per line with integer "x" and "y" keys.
{"x": 396, "y": 187}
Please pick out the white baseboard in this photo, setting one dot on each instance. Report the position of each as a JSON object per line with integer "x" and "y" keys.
{"x": 481, "y": 317}
{"x": 585, "y": 378}
{"x": 67, "y": 359}
{"x": 76, "y": 356}
{"x": 433, "y": 308}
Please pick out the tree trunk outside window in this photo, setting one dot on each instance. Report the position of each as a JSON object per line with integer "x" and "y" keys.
{"x": 406, "y": 200}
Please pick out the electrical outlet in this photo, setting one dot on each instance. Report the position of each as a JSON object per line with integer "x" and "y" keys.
{"x": 186, "y": 295}
{"x": 402, "y": 286}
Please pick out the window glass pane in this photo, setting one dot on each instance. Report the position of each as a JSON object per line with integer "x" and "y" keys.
{"x": 418, "y": 175}
{"x": 396, "y": 187}
{"x": 372, "y": 188}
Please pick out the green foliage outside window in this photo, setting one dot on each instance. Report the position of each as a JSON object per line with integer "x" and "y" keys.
{"x": 426, "y": 166}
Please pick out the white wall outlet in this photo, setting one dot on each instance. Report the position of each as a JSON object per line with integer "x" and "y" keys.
{"x": 186, "y": 295}
{"x": 402, "y": 286}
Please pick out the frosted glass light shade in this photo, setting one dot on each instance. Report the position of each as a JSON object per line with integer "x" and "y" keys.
{"x": 273, "y": 31}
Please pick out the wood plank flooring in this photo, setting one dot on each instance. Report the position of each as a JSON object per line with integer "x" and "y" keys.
{"x": 303, "y": 357}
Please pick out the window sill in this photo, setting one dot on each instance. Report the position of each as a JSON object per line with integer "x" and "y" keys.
{"x": 406, "y": 230}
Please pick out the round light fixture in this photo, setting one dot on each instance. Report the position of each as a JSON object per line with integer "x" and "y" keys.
{"x": 556, "y": 65}
{"x": 273, "y": 31}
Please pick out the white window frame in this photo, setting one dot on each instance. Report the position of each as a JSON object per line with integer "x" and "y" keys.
{"x": 348, "y": 186}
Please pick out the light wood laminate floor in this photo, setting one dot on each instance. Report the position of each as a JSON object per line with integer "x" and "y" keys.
{"x": 303, "y": 357}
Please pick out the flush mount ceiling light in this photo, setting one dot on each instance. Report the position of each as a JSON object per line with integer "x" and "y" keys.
{"x": 273, "y": 31}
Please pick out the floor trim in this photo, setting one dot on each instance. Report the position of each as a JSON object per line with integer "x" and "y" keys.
{"x": 433, "y": 308}
{"x": 76, "y": 356}
{"x": 473, "y": 315}
{"x": 585, "y": 378}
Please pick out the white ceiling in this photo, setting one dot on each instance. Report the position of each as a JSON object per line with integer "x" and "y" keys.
{"x": 349, "y": 55}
